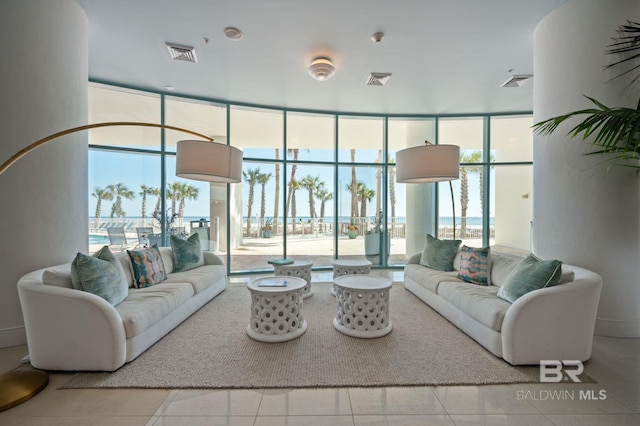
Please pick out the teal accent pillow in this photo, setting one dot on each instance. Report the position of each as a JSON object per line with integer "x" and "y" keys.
{"x": 100, "y": 274}
{"x": 187, "y": 254}
{"x": 439, "y": 254}
{"x": 475, "y": 265}
{"x": 530, "y": 274}
{"x": 148, "y": 267}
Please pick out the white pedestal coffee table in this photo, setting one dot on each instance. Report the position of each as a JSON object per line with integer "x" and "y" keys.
{"x": 300, "y": 269}
{"x": 362, "y": 306}
{"x": 349, "y": 267}
{"x": 276, "y": 312}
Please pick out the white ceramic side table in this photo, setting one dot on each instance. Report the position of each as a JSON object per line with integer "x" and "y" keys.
{"x": 300, "y": 269}
{"x": 349, "y": 267}
{"x": 362, "y": 306}
{"x": 276, "y": 312}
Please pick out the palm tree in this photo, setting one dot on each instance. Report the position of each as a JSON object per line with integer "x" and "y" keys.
{"x": 354, "y": 189}
{"x": 473, "y": 157}
{"x": 276, "y": 204}
{"x": 189, "y": 192}
{"x": 379, "y": 182}
{"x": 251, "y": 176}
{"x": 263, "y": 179}
{"x": 295, "y": 185}
{"x": 174, "y": 193}
{"x": 365, "y": 195}
{"x": 144, "y": 191}
{"x": 392, "y": 190}
{"x": 311, "y": 183}
{"x": 323, "y": 195}
{"x": 119, "y": 191}
{"x": 292, "y": 178}
{"x": 101, "y": 194}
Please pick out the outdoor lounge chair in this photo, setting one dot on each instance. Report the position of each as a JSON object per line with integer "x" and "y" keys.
{"x": 117, "y": 238}
{"x": 144, "y": 234}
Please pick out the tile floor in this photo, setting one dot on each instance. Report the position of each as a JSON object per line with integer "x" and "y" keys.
{"x": 615, "y": 365}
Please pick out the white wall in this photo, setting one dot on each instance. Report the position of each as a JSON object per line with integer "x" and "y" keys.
{"x": 582, "y": 213}
{"x": 43, "y": 219}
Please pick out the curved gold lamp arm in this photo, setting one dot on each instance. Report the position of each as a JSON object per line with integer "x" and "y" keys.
{"x": 24, "y": 151}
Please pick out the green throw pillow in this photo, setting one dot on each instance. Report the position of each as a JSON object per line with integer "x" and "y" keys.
{"x": 148, "y": 267}
{"x": 187, "y": 254}
{"x": 439, "y": 254}
{"x": 475, "y": 265}
{"x": 530, "y": 274}
{"x": 100, "y": 274}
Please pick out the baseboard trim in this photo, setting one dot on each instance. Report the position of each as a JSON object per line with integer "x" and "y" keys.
{"x": 629, "y": 329}
{"x": 13, "y": 336}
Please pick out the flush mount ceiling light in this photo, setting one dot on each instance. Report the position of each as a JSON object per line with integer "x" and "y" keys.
{"x": 378, "y": 78}
{"x": 321, "y": 68}
{"x": 517, "y": 80}
{"x": 233, "y": 33}
{"x": 182, "y": 53}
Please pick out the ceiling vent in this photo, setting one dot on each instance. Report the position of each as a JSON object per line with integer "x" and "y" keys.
{"x": 182, "y": 53}
{"x": 517, "y": 80}
{"x": 378, "y": 78}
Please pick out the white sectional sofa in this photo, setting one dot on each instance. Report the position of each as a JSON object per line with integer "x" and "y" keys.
{"x": 553, "y": 323}
{"x": 74, "y": 330}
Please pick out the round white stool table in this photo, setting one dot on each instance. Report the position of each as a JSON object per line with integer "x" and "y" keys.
{"x": 300, "y": 269}
{"x": 349, "y": 267}
{"x": 276, "y": 311}
{"x": 362, "y": 306}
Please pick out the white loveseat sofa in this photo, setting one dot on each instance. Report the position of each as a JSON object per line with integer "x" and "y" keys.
{"x": 74, "y": 330}
{"x": 553, "y": 323}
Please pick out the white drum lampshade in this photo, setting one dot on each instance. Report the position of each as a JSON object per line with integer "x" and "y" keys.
{"x": 208, "y": 161}
{"x": 428, "y": 163}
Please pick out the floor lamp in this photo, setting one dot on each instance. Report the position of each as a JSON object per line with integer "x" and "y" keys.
{"x": 196, "y": 159}
{"x": 430, "y": 163}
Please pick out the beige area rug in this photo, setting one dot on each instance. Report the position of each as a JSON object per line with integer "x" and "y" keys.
{"x": 212, "y": 350}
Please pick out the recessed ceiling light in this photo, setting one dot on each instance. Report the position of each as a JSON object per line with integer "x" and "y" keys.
{"x": 321, "y": 68}
{"x": 377, "y": 37}
{"x": 233, "y": 33}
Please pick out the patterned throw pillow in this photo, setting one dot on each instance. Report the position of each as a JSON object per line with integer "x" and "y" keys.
{"x": 475, "y": 265}
{"x": 530, "y": 274}
{"x": 187, "y": 254}
{"x": 439, "y": 254}
{"x": 148, "y": 267}
{"x": 100, "y": 274}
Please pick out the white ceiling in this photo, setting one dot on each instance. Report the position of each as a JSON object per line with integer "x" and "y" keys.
{"x": 446, "y": 57}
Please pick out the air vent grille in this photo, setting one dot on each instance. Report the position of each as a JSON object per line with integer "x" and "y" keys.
{"x": 378, "y": 78}
{"x": 182, "y": 53}
{"x": 517, "y": 80}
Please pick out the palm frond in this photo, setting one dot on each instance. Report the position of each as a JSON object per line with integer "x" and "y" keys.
{"x": 626, "y": 44}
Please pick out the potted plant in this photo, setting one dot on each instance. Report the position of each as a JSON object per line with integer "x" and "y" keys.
{"x": 267, "y": 228}
{"x": 373, "y": 240}
{"x": 616, "y": 130}
{"x": 352, "y": 231}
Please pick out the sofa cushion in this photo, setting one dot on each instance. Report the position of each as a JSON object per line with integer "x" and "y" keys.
{"x": 187, "y": 254}
{"x": 530, "y": 274}
{"x": 501, "y": 266}
{"x": 427, "y": 277}
{"x": 439, "y": 254}
{"x": 200, "y": 278}
{"x": 100, "y": 274}
{"x": 148, "y": 268}
{"x": 144, "y": 307}
{"x": 475, "y": 265}
{"x": 479, "y": 302}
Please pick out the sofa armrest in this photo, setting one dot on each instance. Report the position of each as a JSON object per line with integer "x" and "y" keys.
{"x": 70, "y": 329}
{"x": 210, "y": 258}
{"x": 415, "y": 258}
{"x": 555, "y": 323}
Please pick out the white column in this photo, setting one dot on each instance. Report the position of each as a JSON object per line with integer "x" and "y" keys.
{"x": 44, "y": 213}
{"x": 584, "y": 213}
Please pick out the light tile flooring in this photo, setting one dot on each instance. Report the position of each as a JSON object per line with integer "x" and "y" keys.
{"x": 615, "y": 365}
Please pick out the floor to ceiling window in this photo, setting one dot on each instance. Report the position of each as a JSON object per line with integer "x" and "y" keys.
{"x": 316, "y": 185}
